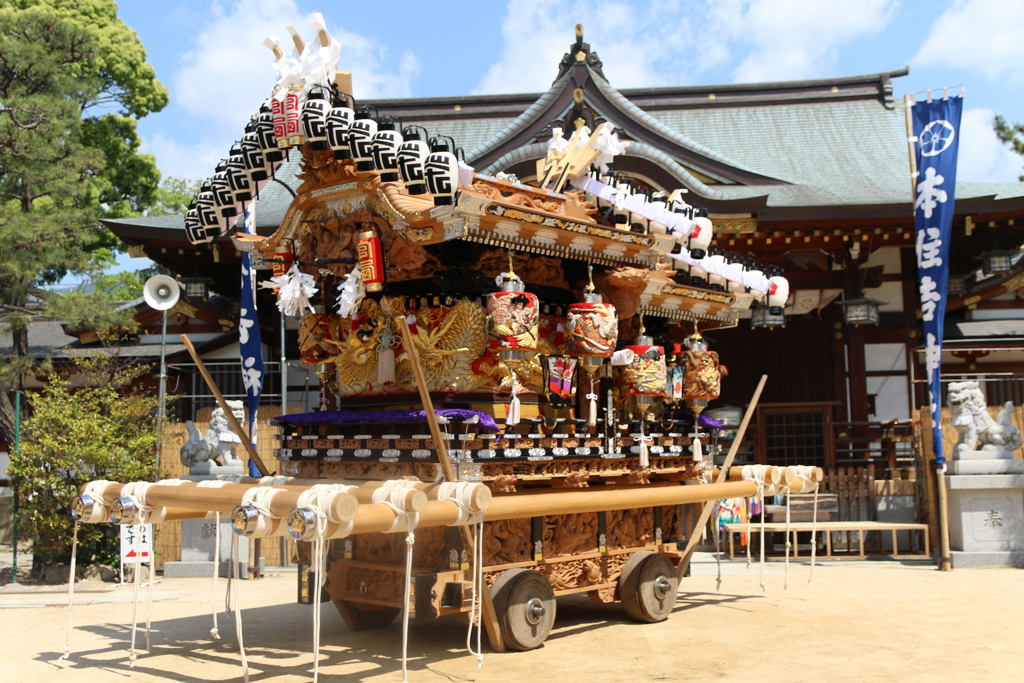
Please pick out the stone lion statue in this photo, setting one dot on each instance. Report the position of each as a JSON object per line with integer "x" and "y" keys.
{"x": 970, "y": 416}
{"x": 218, "y": 444}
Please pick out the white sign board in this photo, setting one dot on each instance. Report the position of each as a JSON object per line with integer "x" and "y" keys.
{"x": 136, "y": 540}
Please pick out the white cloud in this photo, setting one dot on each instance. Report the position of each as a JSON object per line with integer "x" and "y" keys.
{"x": 982, "y": 155}
{"x": 227, "y": 74}
{"x": 986, "y": 35}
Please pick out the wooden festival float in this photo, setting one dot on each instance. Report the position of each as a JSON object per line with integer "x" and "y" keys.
{"x": 513, "y": 372}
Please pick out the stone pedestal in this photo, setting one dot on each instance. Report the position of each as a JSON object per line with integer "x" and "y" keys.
{"x": 986, "y": 509}
{"x": 198, "y": 540}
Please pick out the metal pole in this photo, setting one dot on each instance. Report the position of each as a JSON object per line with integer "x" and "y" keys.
{"x": 161, "y": 413}
{"x": 284, "y": 369}
{"x": 14, "y": 484}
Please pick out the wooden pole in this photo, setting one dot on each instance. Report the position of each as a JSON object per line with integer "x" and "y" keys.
{"x": 945, "y": 559}
{"x": 908, "y": 103}
{"x": 705, "y": 513}
{"x": 488, "y": 615}
{"x": 232, "y": 420}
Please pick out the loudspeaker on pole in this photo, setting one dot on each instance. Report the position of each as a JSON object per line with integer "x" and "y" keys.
{"x": 161, "y": 292}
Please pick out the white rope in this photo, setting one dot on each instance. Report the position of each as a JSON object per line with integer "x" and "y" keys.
{"x": 215, "y": 632}
{"x": 805, "y": 473}
{"x": 718, "y": 550}
{"x": 390, "y": 494}
{"x": 136, "y": 492}
{"x": 71, "y": 592}
{"x": 789, "y": 542}
{"x": 132, "y": 656}
{"x": 461, "y": 493}
{"x": 238, "y": 607}
{"x": 758, "y": 474}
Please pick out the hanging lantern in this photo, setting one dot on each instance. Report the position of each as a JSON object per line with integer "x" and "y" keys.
{"x": 252, "y": 155}
{"x": 592, "y": 328}
{"x": 266, "y": 132}
{"x": 206, "y": 209}
{"x": 360, "y": 139}
{"x": 716, "y": 282}
{"x": 778, "y": 294}
{"x": 559, "y": 373}
{"x": 283, "y": 259}
{"x": 756, "y": 270}
{"x": 277, "y": 105}
{"x": 292, "y": 112}
{"x": 513, "y": 316}
{"x": 620, "y": 216}
{"x": 700, "y": 236}
{"x": 862, "y": 311}
{"x": 675, "y": 375}
{"x": 314, "y": 119}
{"x": 238, "y": 179}
{"x": 645, "y": 377}
{"x": 339, "y": 124}
{"x": 637, "y": 222}
{"x": 371, "y": 260}
{"x": 703, "y": 375}
{"x": 385, "y": 148}
{"x": 736, "y": 260}
{"x": 223, "y": 198}
{"x": 997, "y": 262}
{"x": 762, "y": 317}
{"x": 957, "y": 285}
{"x": 658, "y": 202}
{"x": 698, "y": 276}
{"x": 412, "y": 154}
{"x": 194, "y": 229}
{"x": 441, "y": 171}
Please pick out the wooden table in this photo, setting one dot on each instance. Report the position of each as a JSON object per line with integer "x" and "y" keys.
{"x": 862, "y": 528}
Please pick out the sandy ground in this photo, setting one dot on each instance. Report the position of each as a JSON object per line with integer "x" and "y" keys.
{"x": 861, "y": 621}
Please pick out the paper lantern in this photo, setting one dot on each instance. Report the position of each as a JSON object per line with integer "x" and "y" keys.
{"x": 620, "y": 216}
{"x": 194, "y": 229}
{"x": 591, "y": 328}
{"x": 283, "y": 259}
{"x": 314, "y": 119}
{"x": 698, "y": 276}
{"x": 371, "y": 260}
{"x": 741, "y": 263}
{"x": 223, "y": 197}
{"x": 700, "y": 236}
{"x": 756, "y": 270}
{"x": 266, "y": 132}
{"x": 646, "y": 376}
{"x": 716, "y": 282}
{"x": 637, "y": 222}
{"x": 703, "y": 376}
{"x": 513, "y": 317}
{"x": 412, "y": 154}
{"x": 238, "y": 179}
{"x": 206, "y": 209}
{"x": 658, "y": 202}
{"x": 778, "y": 294}
{"x": 360, "y": 139}
{"x": 252, "y": 155}
{"x": 385, "y": 149}
{"x": 339, "y": 124}
{"x": 292, "y": 112}
{"x": 441, "y": 171}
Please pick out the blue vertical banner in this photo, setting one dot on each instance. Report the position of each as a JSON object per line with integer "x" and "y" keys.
{"x": 250, "y": 343}
{"x": 936, "y": 137}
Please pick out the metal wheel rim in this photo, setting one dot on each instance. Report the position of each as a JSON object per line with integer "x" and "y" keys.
{"x": 534, "y": 609}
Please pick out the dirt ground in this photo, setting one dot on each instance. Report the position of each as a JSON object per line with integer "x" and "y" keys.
{"x": 861, "y": 621}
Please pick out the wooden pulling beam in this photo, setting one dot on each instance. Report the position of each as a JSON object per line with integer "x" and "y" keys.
{"x": 232, "y": 420}
{"x": 684, "y": 564}
{"x": 480, "y": 497}
{"x": 487, "y": 613}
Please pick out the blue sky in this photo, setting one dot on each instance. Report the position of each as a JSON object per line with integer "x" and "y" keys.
{"x": 209, "y": 54}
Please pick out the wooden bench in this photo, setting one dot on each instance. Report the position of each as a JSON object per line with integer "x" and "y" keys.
{"x": 827, "y": 528}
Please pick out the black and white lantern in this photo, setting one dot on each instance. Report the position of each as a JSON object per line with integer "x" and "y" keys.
{"x": 267, "y": 139}
{"x": 238, "y": 179}
{"x": 194, "y": 230}
{"x": 252, "y": 155}
{"x": 441, "y": 171}
{"x": 206, "y": 209}
{"x": 360, "y": 139}
{"x": 314, "y": 118}
{"x": 339, "y": 124}
{"x": 223, "y": 197}
{"x": 385, "y": 149}
{"x": 412, "y": 154}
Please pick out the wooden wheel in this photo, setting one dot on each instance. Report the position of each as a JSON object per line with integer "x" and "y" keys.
{"x": 647, "y": 587}
{"x": 361, "y": 617}
{"x": 525, "y": 605}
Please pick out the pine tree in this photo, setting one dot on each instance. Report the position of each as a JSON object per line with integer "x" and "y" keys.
{"x": 1012, "y": 134}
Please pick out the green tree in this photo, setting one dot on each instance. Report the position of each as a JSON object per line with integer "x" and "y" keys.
{"x": 173, "y": 196}
{"x": 60, "y": 166}
{"x": 94, "y": 426}
{"x": 1012, "y": 134}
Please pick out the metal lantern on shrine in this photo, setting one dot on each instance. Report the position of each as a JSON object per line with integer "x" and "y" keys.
{"x": 339, "y": 125}
{"x": 252, "y": 155}
{"x": 385, "y": 149}
{"x": 997, "y": 262}
{"x": 513, "y": 316}
{"x": 441, "y": 171}
{"x": 412, "y": 154}
{"x": 360, "y": 139}
{"x": 862, "y": 311}
{"x": 703, "y": 376}
{"x": 238, "y": 178}
{"x": 762, "y": 318}
{"x": 266, "y": 132}
{"x": 957, "y": 285}
{"x": 314, "y": 118}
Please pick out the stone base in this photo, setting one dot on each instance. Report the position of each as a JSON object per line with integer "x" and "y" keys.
{"x": 986, "y": 513}
{"x": 191, "y": 570}
{"x": 996, "y": 466}
{"x": 208, "y": 469}
{"x": 962, "y": 560}
{"x": 1001, "y": 454}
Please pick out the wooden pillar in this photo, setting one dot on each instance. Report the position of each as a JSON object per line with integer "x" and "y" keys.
{"x": 856, "y": 368}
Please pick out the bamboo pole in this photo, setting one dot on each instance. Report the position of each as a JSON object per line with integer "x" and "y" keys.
{"x": 945, "y": 558}
{"x": 487, "y": 614}
{"x": 480, "y": 496}
{"x": 232, "y": 420}
{"x": 705, "y": 513}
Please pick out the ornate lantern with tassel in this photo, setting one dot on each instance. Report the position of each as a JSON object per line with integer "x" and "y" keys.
{"x": 252, "y": 156}
{"x": 592, "y": 328}
{"x": 266, "y": 132}
{"x": 371, "y": 259}
{"x": 644, "y": 379}
{"x": 441, "y": 171}
{"x": 701, "y": 383}
{"x": 360, "y": 139}
{"x": 283, "y": 259}
{"x": 412, "y": 154}
{"x": 513, "y": 321}
{"x": 339, "y": 125}
{"x": 314, "y": 118}
{"x": 385, "y": 148}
